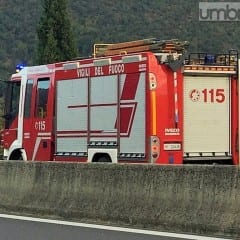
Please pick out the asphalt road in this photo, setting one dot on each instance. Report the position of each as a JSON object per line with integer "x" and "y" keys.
{"x": 42, "y": 229}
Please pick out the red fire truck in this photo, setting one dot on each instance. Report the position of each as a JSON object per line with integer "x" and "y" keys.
{"x": 136, "y": 102}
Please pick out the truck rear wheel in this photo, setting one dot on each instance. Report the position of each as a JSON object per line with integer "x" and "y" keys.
{"x": 102, "y": 158}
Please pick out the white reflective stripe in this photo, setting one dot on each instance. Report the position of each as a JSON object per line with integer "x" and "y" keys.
{"x": 37, "y": 143}
{"x": 44, "y": 134}
{"x": 26, "y": 134}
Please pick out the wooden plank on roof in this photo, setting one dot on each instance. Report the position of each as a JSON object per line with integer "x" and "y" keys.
{"x": 130, "y": 44}
{"x": 151, "y": 44}
{"x": 131, "y": 50}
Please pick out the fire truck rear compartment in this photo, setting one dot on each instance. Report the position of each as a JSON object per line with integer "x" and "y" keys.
{"x": 207, "y": 119}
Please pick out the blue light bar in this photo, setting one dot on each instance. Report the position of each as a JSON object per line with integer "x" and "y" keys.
{"x": 20, "y": 66}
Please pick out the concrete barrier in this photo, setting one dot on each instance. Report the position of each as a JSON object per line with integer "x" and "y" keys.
{"x": 193, "y": 199}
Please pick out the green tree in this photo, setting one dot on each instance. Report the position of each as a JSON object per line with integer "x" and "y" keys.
{"x": 55, "y": 37}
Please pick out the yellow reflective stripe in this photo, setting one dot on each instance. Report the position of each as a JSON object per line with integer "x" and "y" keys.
{"x": 154, "y": 113}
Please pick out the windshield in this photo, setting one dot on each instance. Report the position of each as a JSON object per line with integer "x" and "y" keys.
{"x": 11, "y": 102}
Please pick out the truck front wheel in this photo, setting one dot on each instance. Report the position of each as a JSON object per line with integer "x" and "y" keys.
{"x": 16, "y": 155}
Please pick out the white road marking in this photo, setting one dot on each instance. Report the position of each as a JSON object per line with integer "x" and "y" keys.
{"x": 110, "y": 228}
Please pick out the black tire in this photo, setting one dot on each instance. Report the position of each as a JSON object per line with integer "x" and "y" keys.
{"x": 16, "y": 156}
{"x": 104, "y": 159}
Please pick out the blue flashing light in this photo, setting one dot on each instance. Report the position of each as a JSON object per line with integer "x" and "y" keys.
{"x": 20, "y": 66}
{"x": 210, "y": 59}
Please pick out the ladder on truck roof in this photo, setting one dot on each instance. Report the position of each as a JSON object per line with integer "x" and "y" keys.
{"x": 145, "y": 45}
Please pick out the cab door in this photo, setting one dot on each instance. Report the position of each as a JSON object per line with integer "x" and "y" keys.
{"x": 38, "y": 119}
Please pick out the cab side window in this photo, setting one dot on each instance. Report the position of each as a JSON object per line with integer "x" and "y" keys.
{"x": 42, "y": 97}
{"x": 28, "y": 99}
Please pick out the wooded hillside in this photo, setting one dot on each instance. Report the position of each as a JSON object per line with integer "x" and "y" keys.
{"x": 111, "y": 21}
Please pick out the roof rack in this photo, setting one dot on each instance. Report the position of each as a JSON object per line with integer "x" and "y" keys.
{"x": 145, "y": 45}
{"x": 223, "y": 59}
